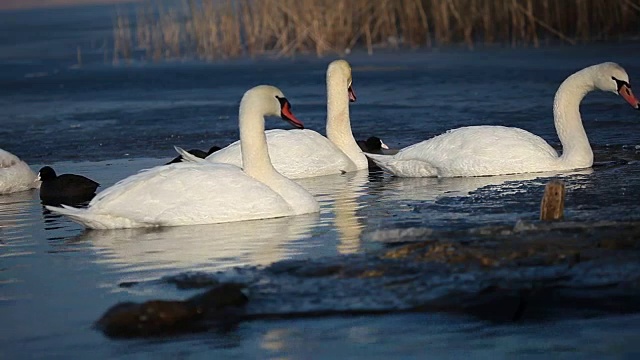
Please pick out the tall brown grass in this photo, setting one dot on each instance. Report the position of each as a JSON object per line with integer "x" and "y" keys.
{"x": 215, "y": 29}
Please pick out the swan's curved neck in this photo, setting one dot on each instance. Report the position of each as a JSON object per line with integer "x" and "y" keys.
{"x": 576, "y": 150}
{"x": 253, "y": 143}
{"x": 338, "y": 121}
{"x": 256, "y": 161}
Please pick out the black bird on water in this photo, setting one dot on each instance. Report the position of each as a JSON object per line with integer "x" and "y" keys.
{"x": 66, "y": 188}
{"x": 372, "y": 145}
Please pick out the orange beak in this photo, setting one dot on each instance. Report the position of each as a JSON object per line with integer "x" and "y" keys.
{"x": 625, "y": 92}
{"x": 286, "y": 114}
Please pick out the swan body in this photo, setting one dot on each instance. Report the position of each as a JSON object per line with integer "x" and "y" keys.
{"x": 305, "y": 153}
{"x": 499, "y": 150}
{"x": 202, "y": 192}
{"x": 15, "y": 174}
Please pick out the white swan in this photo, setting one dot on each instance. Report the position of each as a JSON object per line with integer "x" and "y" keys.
{"x": 203, "y": 193}
{"x": 499, "y": 150}
{"x": 15, "y": 174}
{"x": 305, "y": 153}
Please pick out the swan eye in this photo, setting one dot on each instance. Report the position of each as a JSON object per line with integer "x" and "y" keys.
{"x": 621, "y": 83}
{"x": 283, "y": 101}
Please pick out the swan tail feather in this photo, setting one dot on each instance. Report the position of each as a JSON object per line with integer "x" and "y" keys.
{"x": 404, "y": 168}
{"x": 379, "y": 159}
{"x": 92, "y": 220}
{"x": 187, "y": 156}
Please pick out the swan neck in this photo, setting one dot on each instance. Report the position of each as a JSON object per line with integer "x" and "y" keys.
{"x": 338, "y": 121}
{"x": 253, "y": 143}
{"x": 576, "y": 150}
{"x": 257, "y": 162}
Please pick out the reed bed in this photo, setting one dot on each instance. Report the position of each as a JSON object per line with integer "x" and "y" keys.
{"x": 219, "y": 29}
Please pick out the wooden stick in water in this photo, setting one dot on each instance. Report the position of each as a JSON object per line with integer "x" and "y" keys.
{"x": 552, "y": 205}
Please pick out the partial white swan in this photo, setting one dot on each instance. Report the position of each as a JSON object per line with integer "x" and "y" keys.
{"x": 190, "y": 193}
{"x": 305, "y": 153}
{"x": 499, "y": 150}
{"x": 15, "y": 174}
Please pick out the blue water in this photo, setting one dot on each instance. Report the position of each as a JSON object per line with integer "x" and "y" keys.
{"x": 108, "y": 121}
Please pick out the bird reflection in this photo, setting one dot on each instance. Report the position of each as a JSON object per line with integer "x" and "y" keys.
{"x": 424, "y": 189}
{"x": 14, "y": 212}
{"x": 201, "y": 247}
{"x": 342, "y": 192}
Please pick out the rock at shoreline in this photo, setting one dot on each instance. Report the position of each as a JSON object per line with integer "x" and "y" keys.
{"x": 160, "y": 317}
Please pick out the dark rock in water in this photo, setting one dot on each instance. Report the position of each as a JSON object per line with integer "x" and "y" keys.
{"x": 196, "y": 152}
{"x": 530, "y": 272}
{"x": 68, "y": 189}
{"x": 152, "y": 318}
{"x": 158, "y": 317}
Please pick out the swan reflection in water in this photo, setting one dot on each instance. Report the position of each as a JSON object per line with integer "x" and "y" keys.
{"x": 167, "y": 250}
{"x": 345, "y": 202}
{"x": 339, "y": 198}
{"x": 14, "y": 215}
{"x": 425, "y": 204}
{"x": 431, "y": 189}
{"x": 201, "y": 247}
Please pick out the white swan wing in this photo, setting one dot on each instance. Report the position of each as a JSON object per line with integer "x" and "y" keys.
{"x": 182, "y": 194}
{"x": 404, "y": 167}
{"x": 483, "y": 150}
{"x": 187, "y": 156}
{"x": 231, "y": 154}
{"x": 295, "y": 154}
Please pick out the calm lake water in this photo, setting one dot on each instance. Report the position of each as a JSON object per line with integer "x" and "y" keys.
{"x": 107, "y": 122}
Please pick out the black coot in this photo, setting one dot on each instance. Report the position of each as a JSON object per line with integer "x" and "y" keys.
{"x": 66, "y": 188}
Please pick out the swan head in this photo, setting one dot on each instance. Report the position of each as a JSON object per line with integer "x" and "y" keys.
{"x": 270, "y": 101}
{"x": 612, "y": 77}
{"x": 342, "y": 69}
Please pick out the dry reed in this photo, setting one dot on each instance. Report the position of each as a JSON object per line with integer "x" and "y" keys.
{"x": 214, "y": 29}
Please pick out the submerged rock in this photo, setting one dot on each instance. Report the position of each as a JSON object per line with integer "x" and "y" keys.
{"x": 159, "y": 317}
{"x": 535, "y": 271}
